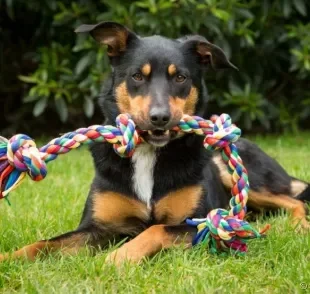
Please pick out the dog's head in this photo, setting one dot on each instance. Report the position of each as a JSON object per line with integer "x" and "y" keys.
{"x": 156, "y": 80}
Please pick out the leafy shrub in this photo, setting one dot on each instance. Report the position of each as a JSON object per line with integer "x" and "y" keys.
{"x": 269, "y": 41}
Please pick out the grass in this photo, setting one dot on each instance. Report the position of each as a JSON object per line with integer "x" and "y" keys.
{"x": 279, "y": 263}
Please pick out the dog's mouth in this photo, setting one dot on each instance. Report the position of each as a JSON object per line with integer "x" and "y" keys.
{"x": 158, "y": 137}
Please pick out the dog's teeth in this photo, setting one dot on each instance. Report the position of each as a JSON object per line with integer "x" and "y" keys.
{"x": 162, "y": 133}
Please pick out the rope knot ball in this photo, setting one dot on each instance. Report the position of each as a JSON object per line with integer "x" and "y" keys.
{"x": 222, "y": 229}
{"x": 224, "y": 133}
{"x": 23, "y": 157}
{"x": 129, "y": 136}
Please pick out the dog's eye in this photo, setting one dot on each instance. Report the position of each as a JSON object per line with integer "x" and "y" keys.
{"x": 180, "y": 78}
{"x": 137, "y": 77}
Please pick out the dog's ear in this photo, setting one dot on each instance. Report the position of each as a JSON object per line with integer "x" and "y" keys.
{"x": 208, "y": 53}
{"x": 112, "y": 34}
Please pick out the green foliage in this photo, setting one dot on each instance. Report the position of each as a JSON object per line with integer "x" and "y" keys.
{"x": 269, "y": 41}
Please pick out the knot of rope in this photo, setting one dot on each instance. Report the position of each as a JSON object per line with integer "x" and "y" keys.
{"x": 24, "y": 155}
{"x": 19, "y": 156}
{"x": 224, "y": 133}
{"x": 224, "y": 232}
{"x": 129, "y": 136}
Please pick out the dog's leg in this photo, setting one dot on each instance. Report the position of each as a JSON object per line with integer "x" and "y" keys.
{"x": 265, "y": 200}
{"x": 69, "y": 243}
{"x": 110, "y": 218}
{"x": 151, "y": 241}
{"x": 271, "y": 185}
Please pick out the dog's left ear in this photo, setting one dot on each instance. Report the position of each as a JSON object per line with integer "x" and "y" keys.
{"x": 208, "y": 53}
{"x": 112, "y": 34}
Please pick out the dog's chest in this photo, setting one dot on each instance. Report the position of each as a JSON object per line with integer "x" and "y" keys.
{"x": 143, "y": 161}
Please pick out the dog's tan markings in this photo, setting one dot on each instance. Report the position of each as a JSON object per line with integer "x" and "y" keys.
{"x": 123, "y": 98}
{"x": 176, "y": 107}
{"x": 146, "y": 69}
{"x": 137, "y": 106}
{"x": 110, "y": 208}
{"x": 172, "y": 69}
{"x": 226, "y": 178}
{"x": 267, "y": 200}
{"x": 176, "y": 206}
{"x": 191, "y": 101}
{"x": 187, "y": 105}
{"x": 66, "y": 245}
{"x": 28, "y": 252}
{"x": 147, "y": 244}
{"x": 297, "y": 187}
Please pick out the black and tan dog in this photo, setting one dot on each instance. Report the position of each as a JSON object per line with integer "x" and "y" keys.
{"x": 169, "y": 178}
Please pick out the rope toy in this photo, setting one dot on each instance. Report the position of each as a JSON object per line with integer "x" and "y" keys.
{"x": 226, "y": 229}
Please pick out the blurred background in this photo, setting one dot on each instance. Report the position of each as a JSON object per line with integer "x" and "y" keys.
{"x": 50, "y": 77}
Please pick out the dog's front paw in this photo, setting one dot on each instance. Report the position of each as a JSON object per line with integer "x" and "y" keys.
{"x": 3, "y": 257}
{"x": 124, "y": 254}
{"x": 303, "y": 227}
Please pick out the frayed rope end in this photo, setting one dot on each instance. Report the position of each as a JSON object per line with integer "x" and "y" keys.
{"x": 221, "y": 240}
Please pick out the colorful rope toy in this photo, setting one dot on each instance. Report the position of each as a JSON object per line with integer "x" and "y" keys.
{"x": 226, "y": 229}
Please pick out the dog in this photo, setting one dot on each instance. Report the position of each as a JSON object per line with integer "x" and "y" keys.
{"x": 170, "y": 177}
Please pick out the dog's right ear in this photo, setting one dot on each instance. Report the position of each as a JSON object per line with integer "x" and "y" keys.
{"x": 112, "y": 34}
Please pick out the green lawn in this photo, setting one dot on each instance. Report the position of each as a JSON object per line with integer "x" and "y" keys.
{"x": 279, "y": 263}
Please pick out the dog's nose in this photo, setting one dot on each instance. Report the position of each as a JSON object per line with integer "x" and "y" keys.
{"x": 159, "y": 117}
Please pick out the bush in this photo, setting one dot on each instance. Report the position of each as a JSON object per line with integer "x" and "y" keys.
{"x": 50, "y": 68}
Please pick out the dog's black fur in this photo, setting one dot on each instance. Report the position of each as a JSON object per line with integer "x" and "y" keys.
{"x": 173, "y": 71}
